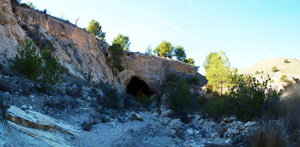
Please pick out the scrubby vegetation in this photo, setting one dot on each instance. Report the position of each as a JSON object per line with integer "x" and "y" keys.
{"x": 123, "y": 41}
{"x": 144, "y": 100}
{"x": 193, "y": 80}
{"x": 116, "y": 52}
{"x": 283, "y": 78}
{"x": 96, "y": 29}
{"x": 28, "y": 62}
{"x": 283, "y": 127}
{"x": 178, "y": 96}
{"x": 43, "y": 68}
{"x": 247, "y": 99}
{"x": 275, "y": 69}
{"x": 286, "y": 61}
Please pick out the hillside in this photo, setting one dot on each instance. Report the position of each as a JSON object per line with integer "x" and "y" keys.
{"x": 292, "y": 67}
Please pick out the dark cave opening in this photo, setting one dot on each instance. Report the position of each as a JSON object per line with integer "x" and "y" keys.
{"x": 138, "y": 87}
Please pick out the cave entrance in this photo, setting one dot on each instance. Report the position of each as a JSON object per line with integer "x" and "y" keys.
{"x": 138, "y": 87}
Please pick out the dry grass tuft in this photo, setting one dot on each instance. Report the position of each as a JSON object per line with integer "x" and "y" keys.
{"x": 285, "y": 129}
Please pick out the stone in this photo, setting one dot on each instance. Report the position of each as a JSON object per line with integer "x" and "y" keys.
{"x": 32, "y": 119}
{"x": 213, "y": 135}
{"x": 232, "y": 118}
{"x": 226, "y": 119}
{"x": 137, "y": 116}
{"x": 30, "y": 107}
{"x": 172, "y": 132}
{"x": 201, "y": 121}
{"x": 175, "y": 124}
{"x": 24, "y": 107}
{"x": 249, "y": 124}
{"x": 190, "y": 131}
{"x": 235, "y": 131}
{"x": 227, "y": 141}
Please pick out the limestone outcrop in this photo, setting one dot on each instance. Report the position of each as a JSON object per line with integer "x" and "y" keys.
{"x": 40, "y": 126}
{"x": 153, "y": 70}
{"x": 79, "y": 52}
{"x": 10, "y": 32}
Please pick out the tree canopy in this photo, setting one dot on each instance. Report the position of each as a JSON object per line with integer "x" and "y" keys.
{"x": 116, "y": 52}
{"x": 218, "y": 71}
{"x": 191, "y": 62}
{"x": 164, "y": 49}
{"x": 207, "y": 60}
{"x": 179, "y": 52}
{"x": 148, "y": 50}
{"x": 95, "y": 29}
{"x": 123, "y": 41}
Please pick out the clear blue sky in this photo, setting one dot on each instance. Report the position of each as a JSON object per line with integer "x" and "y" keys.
{"x": 246, "y": 30}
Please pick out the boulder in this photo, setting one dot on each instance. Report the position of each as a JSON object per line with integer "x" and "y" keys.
{"x": 36, "y": 120}
{"x": 137, "y": 116}
{"x": 249, "y": 124}
{"x": 175, "y": 124}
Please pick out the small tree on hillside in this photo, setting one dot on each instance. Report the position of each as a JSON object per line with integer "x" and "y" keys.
{"x": 116, "y": 53}
{"x": 191, "y": 61}
{"x": 164, "y": 49}
{"x": 123, "y": 41}
{"x": 95, "y": 29}
{"x": 28, "y": 61}
{"x": 148, "y": 50}
{"x": 51, "y": 70}
{"x": 179, "y": 52}
{"x": 45, "y": 68}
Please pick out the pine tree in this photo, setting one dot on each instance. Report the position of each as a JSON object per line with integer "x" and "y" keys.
{"x": 95, "y": 29}
{"x": 218, "y": 72}
{"x": 116, "y": 53}
{"x": 164, "y": 49}
{"x": 123, "y": 41}
{"x": 180, "y": 53}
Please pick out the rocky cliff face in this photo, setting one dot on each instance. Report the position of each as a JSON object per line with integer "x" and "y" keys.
{"x": 153, "y": 70}
{"x": 10, "y": 32}
{"x": 80, "y": 52}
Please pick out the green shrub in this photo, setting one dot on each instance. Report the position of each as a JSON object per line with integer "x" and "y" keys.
{"x": 128, "y": 101}
{"x": 145, "y": 101}
{"x": 178, "y": 96}
{"x": 220, "y": 106}
{"x": 51, "y": 70}
{"x": 116, "y": 53}
{"x": 272, "y": 81}
{"x": 28, "y": 63}
{"x": 283, "y": 78}
{"x": 286, "y": 61}
{"x": 256, "y": 73}
{"x": 1, "y": 67}
{"x": 111, "y": 98}
{"x": 194, "y": 80}
{"x": 45, "y": 68}
{"x": 274, "y": 69}
{"x": 7, "y": 86}
{"x": 246, "y": 99}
